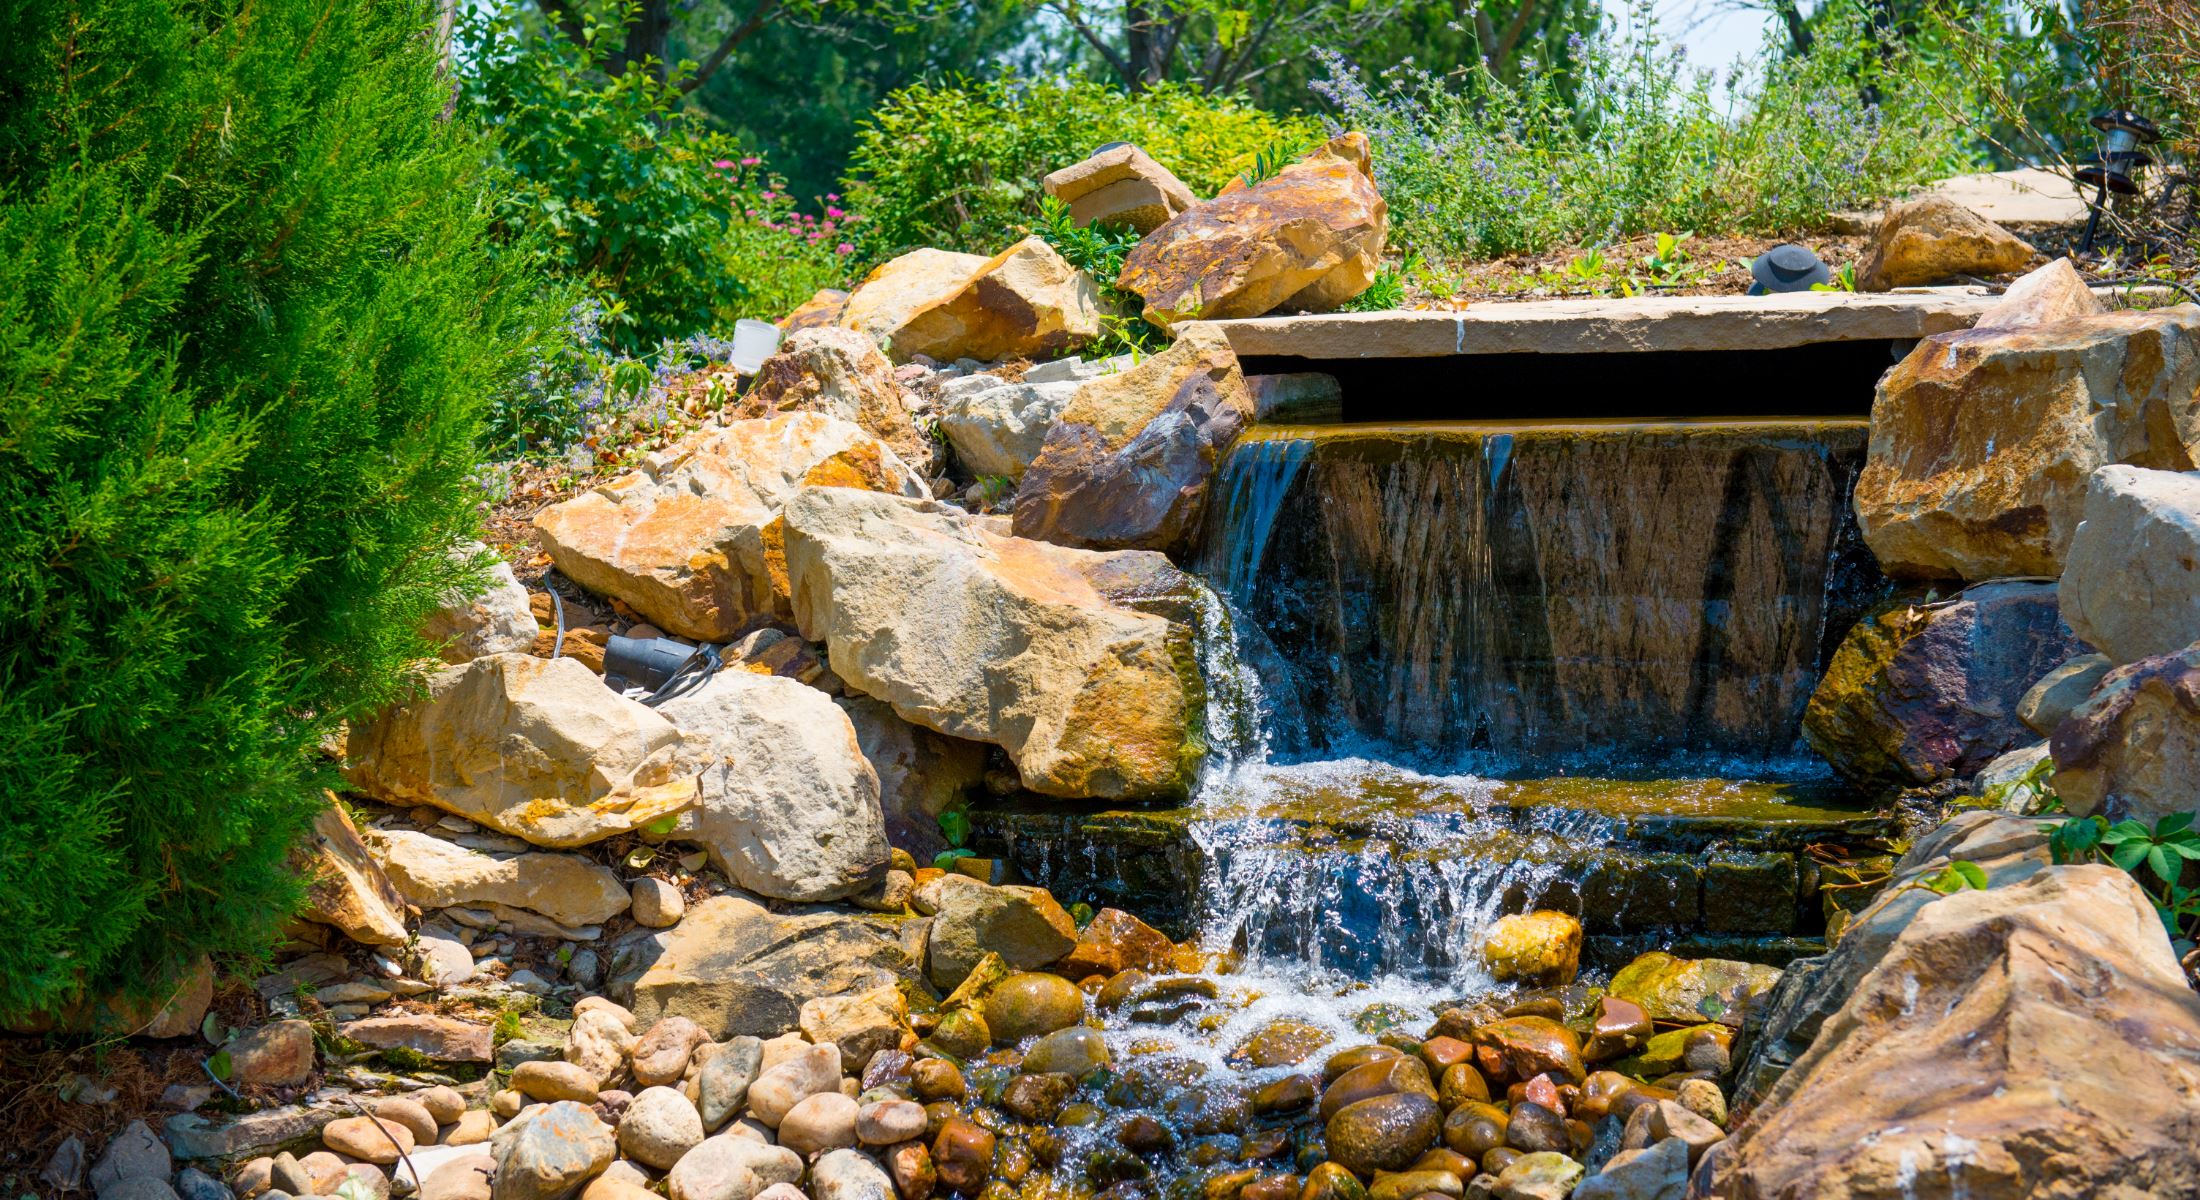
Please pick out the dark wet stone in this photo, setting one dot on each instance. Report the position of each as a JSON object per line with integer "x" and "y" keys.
{"x": 937, "y": 1079}
{"x": 1535, "y": 1128}
{"x": 1345, "y": 1060}
{"x": 1331, "y": 1181}
{"x": 1288, "y": 1094}
{"x": 1385, "y": 1133}
{"x": 1379, "y": 1078}
{"x": 1037, "y": 1098}
{"x": 962, "y": 1154}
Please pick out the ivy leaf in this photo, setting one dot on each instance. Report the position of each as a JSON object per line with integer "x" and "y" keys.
{"x": 220, "y": 1066}
{"x": 955, "y": 827}
{"x": 2129, "y": 855}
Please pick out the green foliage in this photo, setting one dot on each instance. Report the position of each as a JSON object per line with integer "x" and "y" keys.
{"x": 671, "y": 225}
{"x": 1099, "y": 251}
{"x": 1388, "y": 291}
{"x": 955, "y": 827}
{"x": 2163, "y": 849}
{"x": 958, "y": 165}
{"x": 1630, "y": 140}
{"x": 1958, "y": 876}
{"x": 247, "y": 317}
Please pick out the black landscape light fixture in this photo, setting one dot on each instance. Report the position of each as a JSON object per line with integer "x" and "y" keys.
{"x": 1787, "y": 267}
{"x": 661, "y": 667}
{"x": 2117, "y": 165}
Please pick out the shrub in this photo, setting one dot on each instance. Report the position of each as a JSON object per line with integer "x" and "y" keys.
{"x": 671, "y": 224}
{"x": 1634, "y": 142}
{"x": 958, "y": 165}
{"x": 247, "y": 317}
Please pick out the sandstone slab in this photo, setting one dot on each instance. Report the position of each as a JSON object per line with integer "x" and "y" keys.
{"x": 1919, "y": 693}
{"x": 537, "y": 748}
{"x": 735, "y": 968}
{"x": 1309, "y": 238}
{"x": 349, "y": 889}
{"x": 2000, "y": 1037}
{"x": 434, "y": 873}
{"x": 445, "y": 1039}
{"x": 1126, "y": 466}
{"x": 2131, "y": 586}
{"x": 692, "y": 539}
{"x": 900, "y": 287}
{"x": 1055, "y": 655}
{"x": 1983, "y": 442}
{"x": 1120, "y": 185}
{"x": 789, "y": 806}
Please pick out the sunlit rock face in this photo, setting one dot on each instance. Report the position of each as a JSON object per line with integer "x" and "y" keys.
{"x": 1619, "y": 592}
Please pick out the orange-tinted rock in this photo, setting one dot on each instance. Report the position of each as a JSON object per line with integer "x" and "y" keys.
{"x": 1542, "y": 948}
{"x": 1982, "y": 442}
{"x": 1460, "y": 1083}
{"x": 1619, "y": 1027}
{"x": 1380, "y": 1078}
{"x": 1932, "y": 239}
{"x": 1310, "y": 238}
{"x": 821, "y": 310}
{"x": 1530, "y": 1046}
{"x": 1385, "y": 1133}
{"x": 962, "y": 1155}
{"x": 1115, "y": 941}
{"x": 1024, "y": 302}
{"x": 1128, "y": 463}
{"x": 840, "y": 373}
{"x": 1121, "y": 185}
{"x": 349, "y": 889}
{"x": 693, "y": 539}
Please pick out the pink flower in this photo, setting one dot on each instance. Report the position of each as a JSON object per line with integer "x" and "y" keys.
{"x": 722, "y": 164}
{"x": 750, "y": 162}
{"x": 767, "y": 195}
{"x": 835, "y": 213}
{"x": 832, "y": 195}
{"x": 752, "y": 212}
{"x": 845, "y": 248}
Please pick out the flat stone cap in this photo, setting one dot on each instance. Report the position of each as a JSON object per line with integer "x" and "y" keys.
{"x": 1616, "y": 326}
{"x": 1114, "y": 165}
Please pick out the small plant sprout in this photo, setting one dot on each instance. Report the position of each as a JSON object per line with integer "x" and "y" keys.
{"x": 2162, "y": 849}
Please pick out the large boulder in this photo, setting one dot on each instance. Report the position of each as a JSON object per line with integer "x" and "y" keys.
{"x": 495, "y": 620}
{"x": 692, "y": 538}
{"x": 900, "y": 287}
{"x": 986, "y": 637}
{"x": 1127, "y": 464}
{"x": 537, "y": 748}
{"x": 2031, "y": 1039}
{"x": 1024, "y": 925}
{"x": 434, "y": 873}
{"x": 921, "y": 774}
{"x": 2132, "y": 750}
{"x": 1982, "y": 441}
{"x": 1922, "y": 692}
{"x": 1025, "y": 302}
{"x": 346, "y": 887}
{"x": 840, "y": 373}
{"x": 1310, "y": 238}
{"x": 790, "y": 807}
{"x": 1781, "y": 1026}
{"x": 2131, "y": 588}
{"x": 733, "y": 967}
{"x": 1933, "y": 238}
{"x": 1121, "y": 185}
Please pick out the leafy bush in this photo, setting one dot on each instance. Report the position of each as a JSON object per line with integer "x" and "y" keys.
{"x": 247, "y": 314}
{"x": 958, "y": 165}
{"x": 2163, "y": 848}
{"x": 671, "y": 224}
{"x": 1634, "y": 142}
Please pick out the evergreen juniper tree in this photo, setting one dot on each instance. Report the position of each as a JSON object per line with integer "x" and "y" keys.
{"x": 249, "y": 316}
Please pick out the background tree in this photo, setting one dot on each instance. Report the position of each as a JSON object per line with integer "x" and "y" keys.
{"x": 248, "y": 317}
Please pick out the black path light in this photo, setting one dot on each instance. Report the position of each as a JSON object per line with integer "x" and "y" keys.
{"x": 2116, "y": 167}
{"x": 1786, "y": 268}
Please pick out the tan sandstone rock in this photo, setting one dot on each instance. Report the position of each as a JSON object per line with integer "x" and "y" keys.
{"x": 1127, "y": 464}
{"x": 992, "y": 638}
{"x": 789, "y": 806}
{"x": 1121, "y": 185}
{"x": 1025, "y": 302}
{"x": 1982, "y": 442}
{"x": 2055, "y": 292}
{"x": 693, "y": 538}
{"x": 2004, "y": 1040}
{"x": 2131, "y": 586}
{"x": 735, "y": 968}
{"x": 1309, "y": 238}
{"x": 1934, "y": 238}
{"x": 840, "y": 373}
{"x": 898, "y": 288}
{"x": 537, "y": 748}
{"x": 434, "y": 873}
{"x": 349, "y": 889}
{"x": 497, "y": 620}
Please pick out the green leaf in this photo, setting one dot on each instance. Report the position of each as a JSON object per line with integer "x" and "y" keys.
{"x": 2129, "y": 855}
{"x": 955, "y": 827}
{"x": 1972, "y": 873}
{"x": 2173, "y": 823}
{"x": 945, "y": 860}
{"x": 220, "y": 1066}
{"x": 2164, "y": 864}
{"x": 662, "y": 825}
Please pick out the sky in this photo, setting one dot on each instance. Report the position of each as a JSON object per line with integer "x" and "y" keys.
{"x": 1715, "y": 33}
